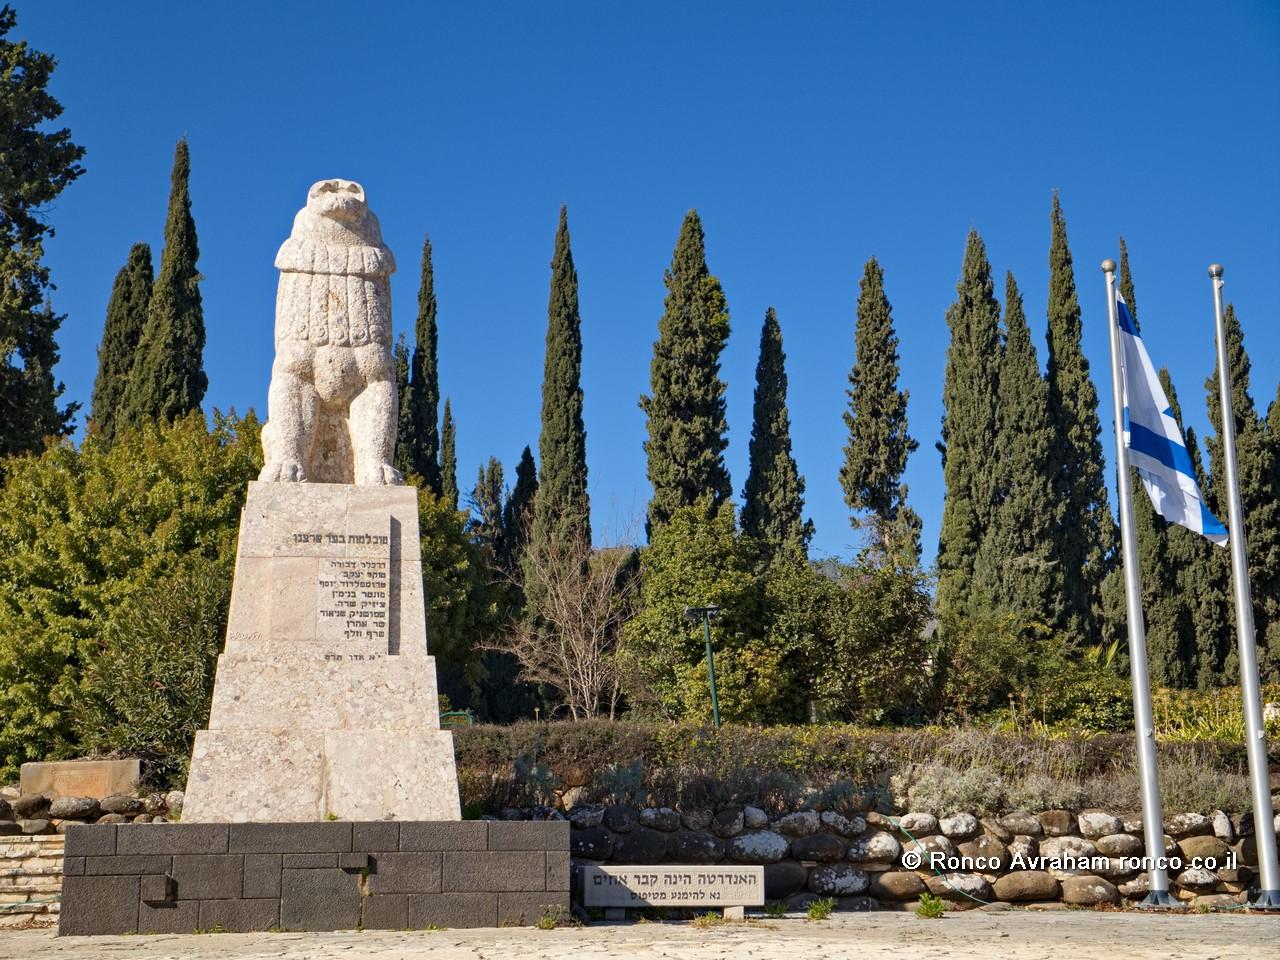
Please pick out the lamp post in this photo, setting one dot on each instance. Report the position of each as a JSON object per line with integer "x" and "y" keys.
{"x": 706, "y": 615}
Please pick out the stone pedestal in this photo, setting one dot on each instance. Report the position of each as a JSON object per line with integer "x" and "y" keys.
{"x": 325, "y": 700}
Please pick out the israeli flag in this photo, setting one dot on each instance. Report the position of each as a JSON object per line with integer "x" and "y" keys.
{"x": 1156, "y": 446}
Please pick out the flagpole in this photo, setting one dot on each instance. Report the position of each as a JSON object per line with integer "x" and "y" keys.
{"x": 1254, "y": 729}
{"x": 1152, "y": 818}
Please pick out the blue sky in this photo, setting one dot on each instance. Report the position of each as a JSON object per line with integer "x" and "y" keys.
{"x": 809, "y": 137}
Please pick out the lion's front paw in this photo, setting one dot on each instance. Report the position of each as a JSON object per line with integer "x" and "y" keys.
{"x": 381, "y": 473}
{"x": 283, "y": 471}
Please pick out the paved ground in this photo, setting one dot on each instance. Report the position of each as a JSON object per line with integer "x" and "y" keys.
{"x": 1014, "y": 935}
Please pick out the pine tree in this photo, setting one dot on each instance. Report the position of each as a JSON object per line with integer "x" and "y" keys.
{"x": 168, "y": 379}
{"x": 686, "y": 410}
{"x": 38, "y": 165}
{"x": 1087, "y": 536}
{"x": 970, "y": 430}
{"x": 425, "y": 377}
{"x": 126, "y": 319}
{"x": 773, "y": 499}
{"x": 1256, "y": 463}
{"x": 516, "y": 513}
{"x": 1017, "y": 565}
{"x": 448, "y": 459}
{"x": 1201, "y": 583}
{"x": 486, "y": 509}
{"x": 879, "y": 445}
{"x": 405, "y": 446}
{"x": 562, "y": 511}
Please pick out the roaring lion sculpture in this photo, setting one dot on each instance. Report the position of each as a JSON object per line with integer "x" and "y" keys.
{"x": 332, "y": 407}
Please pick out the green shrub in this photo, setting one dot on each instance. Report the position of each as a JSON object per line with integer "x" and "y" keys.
{"x": 821, "y": 909}
{"x": 931, "y": 907}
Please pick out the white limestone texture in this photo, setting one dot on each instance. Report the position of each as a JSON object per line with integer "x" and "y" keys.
{"x": 333, "y": 404}
{"x": 325, "y": 700}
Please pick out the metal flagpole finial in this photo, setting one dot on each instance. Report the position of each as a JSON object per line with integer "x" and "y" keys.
{"x": 1109, "y": 266}
{"x": 1215, "y": 270}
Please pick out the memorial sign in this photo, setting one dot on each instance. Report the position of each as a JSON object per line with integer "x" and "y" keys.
{"x": 728, "y": 885}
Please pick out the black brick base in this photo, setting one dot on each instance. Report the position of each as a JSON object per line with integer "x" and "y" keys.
{"x": 241, "y": 877}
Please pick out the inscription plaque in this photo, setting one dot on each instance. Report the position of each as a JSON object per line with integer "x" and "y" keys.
{"x": 729, "y": 885}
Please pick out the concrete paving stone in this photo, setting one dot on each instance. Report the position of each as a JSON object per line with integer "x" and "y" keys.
{"x": 387, "y": 911}
{"x": 98, "y": 905}
{"x": 262, "y": 875}
{"x": 418, "y": 836}
{"x": 453, "y": 910}
{"x": 375, "y": 836}
{"x": 177, "y": 917}
{"x": 405, "y": 873}
{"x": 85, "y": 839}
{"x": 319, "y": 900}
{"x": 494, "y": 871}
{"x": 209, "y": 876}
{"x": 290, "y": 837}
{"x": 174, "y": 838}
{"x": 529, "y": 835}
{"x": 240, "y": 916}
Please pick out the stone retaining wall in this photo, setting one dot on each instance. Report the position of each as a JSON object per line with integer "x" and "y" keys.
{"x": 865, "y": 860}
{"x": 30, "y": 880}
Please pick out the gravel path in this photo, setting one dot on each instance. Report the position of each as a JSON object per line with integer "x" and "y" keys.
{"x": 1011, "y": 935}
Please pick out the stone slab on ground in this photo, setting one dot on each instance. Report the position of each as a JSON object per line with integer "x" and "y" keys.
{"x": 312, "y": 876}
{"x": 672, "y": 885}
{"x": 1010, "y": 935}
{"x": 80, "y": 778}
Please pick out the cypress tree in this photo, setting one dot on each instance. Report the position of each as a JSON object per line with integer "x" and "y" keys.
{"x": 1166, "y": 612}
{"x": 562, "y": 510}
{"x": 404, "y": 460}
{"x": 486, "y": 506}
{"x": 876, "y": 453}
{"x": 425, "y": 376}
{"x": 1087, "y": 536}
{"x": 1256, "y": 462}
{"x": 448, "y": 459}
{"x": 1016, "y": 565}
{"x": 126, "y": 319}
{"x": 1200, "y": 583}
{"x": 168, "y": 379}
{"x": 516, "y": 511}
{"x": 970, "y": 430}
{"x": 38, "y": 165}
{"x": 686, "y": 409}
{"x": 773, "y": 499}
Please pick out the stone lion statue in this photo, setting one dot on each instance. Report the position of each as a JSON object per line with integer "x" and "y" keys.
{"x": 332, "y": 406}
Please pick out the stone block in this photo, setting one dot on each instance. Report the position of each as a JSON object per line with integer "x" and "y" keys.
{"x": 557, "y": 870}
{"x": 592, "y": 843}
{"x": 783, "y": 879}
{"x": 240, "y": 916}
{"x": 80, "y": 778}
{"x": 262, "y": 875}
{"x": 90, "y": 840}
{"x": 118, "y": 865}
{"x": 175, "y": 917}
{"x": 530, "y": 835}
{"x": 99, "y": 905}
{"x": 405, "y": 873}
{"x": 308, "y": 861}
{"x": 524, "y": 909}
{"x": 375, "y": 837}
{"x": 174, "y": 838}
{"x": 209, "y": 876}
{"x": 332, "y": 837}
{"x": 388, "y": 911}
{"x": 426, "y": 836}
{"x": 354, "y": 861}
{"x": 493, "y": 871}
{"x": 159, "y": 888}
{"x": 641, "y": 845}
{"x": 73, "y": 866}
{"x": 319, "y": 900}
{"x": 453, "y": 910}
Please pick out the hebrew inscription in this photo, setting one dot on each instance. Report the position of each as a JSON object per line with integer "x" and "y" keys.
{"x": 669, "y": 886}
